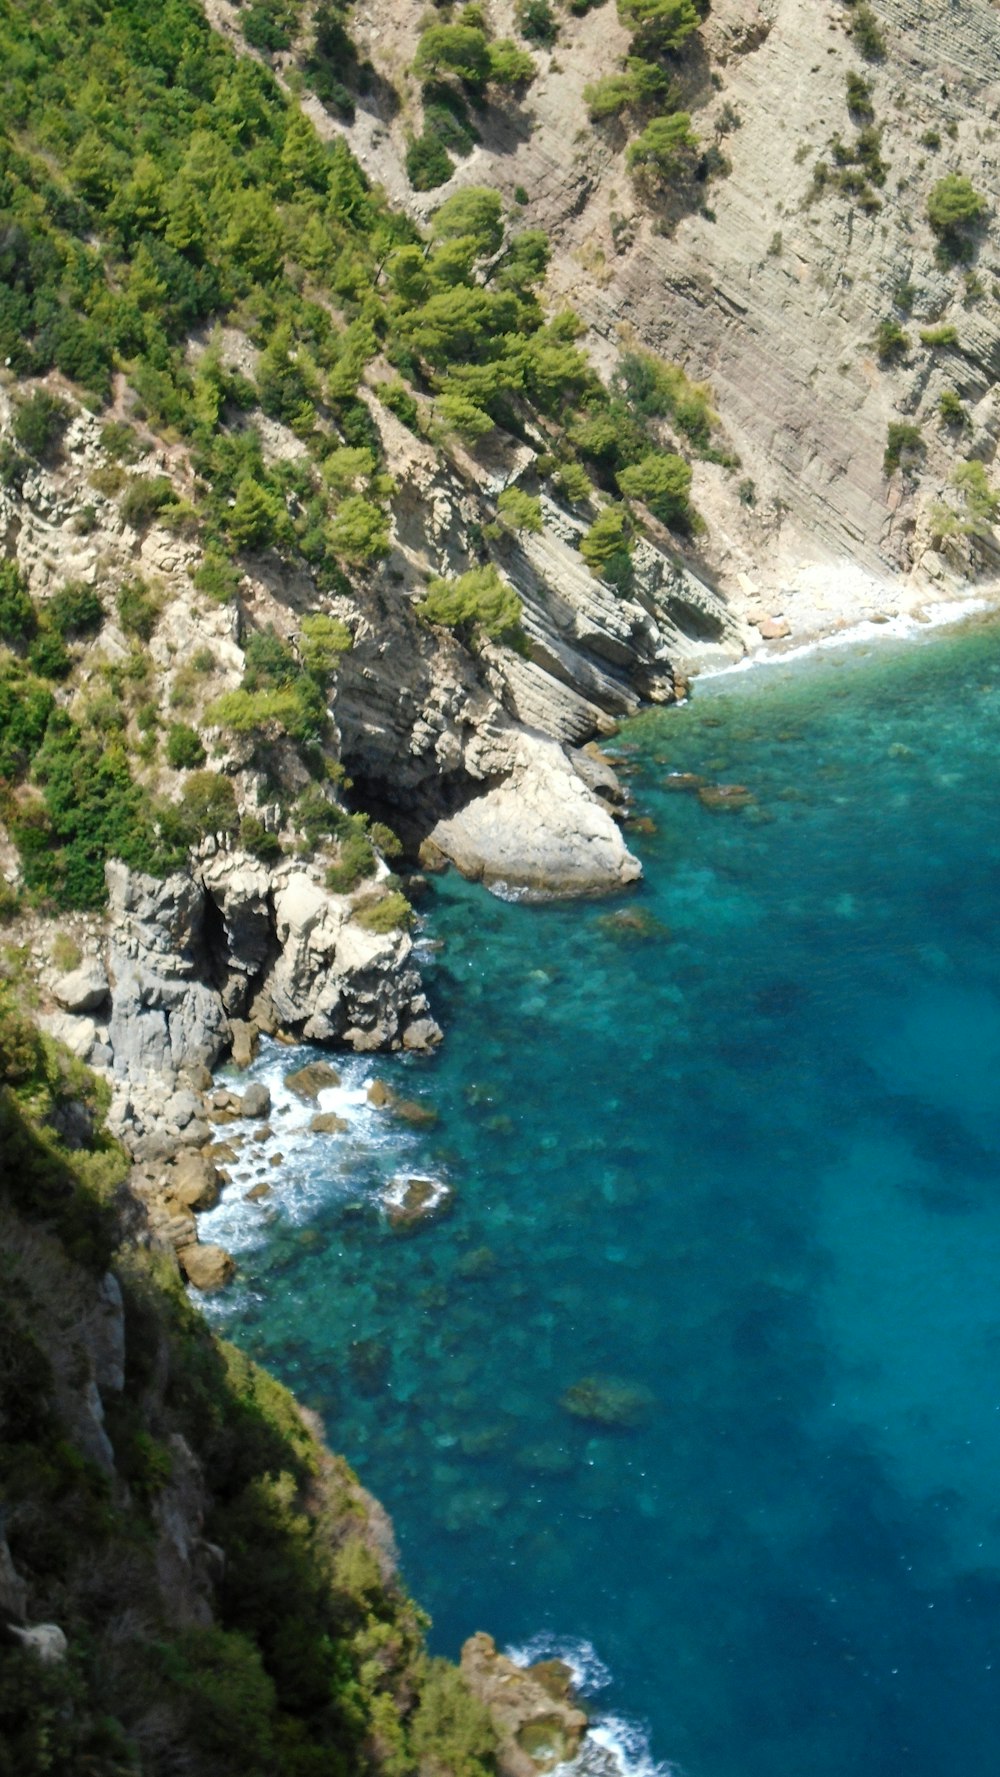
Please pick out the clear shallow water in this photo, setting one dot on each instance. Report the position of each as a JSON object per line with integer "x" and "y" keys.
{"x": 747, "y": 1161}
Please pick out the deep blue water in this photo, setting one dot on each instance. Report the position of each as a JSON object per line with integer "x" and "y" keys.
{"x": 744, "y": 1160}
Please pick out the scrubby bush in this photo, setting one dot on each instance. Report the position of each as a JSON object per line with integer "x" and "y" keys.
{"x": 145, "y": 498}
{"x": 638, "y": 83}
{"x": 661, "y": 26}
{"x": 208, "y": 802}
{"x": 665, "y": 149}
{"x": 537, "y": 22}
{"x": 39, "y": 423}
{"x": 217, "y": 576}
{"x": 257, "y": 519}
{"x": 255, "y": 838}
{"x": 184, "y": 748}
{"x": 18, "y": 620}
{"x": 573, "y": 483}
{"x": 75, "y": 610}
{"x": 518, "y": 510}
{"x": 138, "y": 609}
{"x": 48, "y": 655}
{"x": 476, "y": 600}
{"x": 866, "y": 32}
{"x": 453, "y": 49}
{"x": 903, "y": 441}
{"x": 608, "y": 538}
{"x": 954, "y": 207}
{"x": 324, "y": 639}
{"x": 390, "y": 913}
{"x": 891, "y": 343}
{"x": 663, "y": 482}
{"x": 945, "y": 335}
{"x": 356, "y": 860}
{"x": 951, "y": 409}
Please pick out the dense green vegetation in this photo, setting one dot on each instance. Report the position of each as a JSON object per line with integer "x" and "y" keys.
{"x": 313, "y": 1662}
{"x": 155, "y": 186}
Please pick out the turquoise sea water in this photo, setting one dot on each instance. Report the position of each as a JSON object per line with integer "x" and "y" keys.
{"x": 743, "y": 1159}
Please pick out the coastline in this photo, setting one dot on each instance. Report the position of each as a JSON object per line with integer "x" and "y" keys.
{"x": 854, "y": 623}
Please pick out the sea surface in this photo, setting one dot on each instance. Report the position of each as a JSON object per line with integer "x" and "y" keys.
{"x": 698, "y": 1380}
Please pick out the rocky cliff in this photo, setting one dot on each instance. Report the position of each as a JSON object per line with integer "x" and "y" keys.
{"x": 770, "y": 285}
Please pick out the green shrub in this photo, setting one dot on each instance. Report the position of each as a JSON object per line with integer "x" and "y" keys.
{"x": 859, "y": 97}
{"x": 75, "y": 610}
{"x": 951, "y": 409}
{"x": 255, "y": 838}
{"x": 945, "y": 335}
{"x": 217, "y": 576}
{"x": 608, "y": 537}
{"x": 257, "y": 519}
{"x": 661, "y": 26}
{"x": 121, "y": 442}
{"x": 638, "y": 83}
{"x": 48, "y": 655}
{"x": 397, "y": 398}
{"x": 663, "y": 482}
{"x": 903, "y": 440}
{"x": 18, "y": 620}
{"x": 356, "y": 860}
{"x": 510, "y": 65}
{"x": 359, "y": 530}
{"x": 184, "y": 748}
{"x": 138, "y": 609}
{"x": 39, "y": 423}
{"x": 573, "y": 483}
{"x": 428, "y": 163}
{"x": 866, "y": 32}
{"x": 256, "y": 712}
{"x": 518, "y": 510}
{"x": 324, "y": 639}
{"x": 452, "y": 1730}
{"x": 982, "y": 505}
{"x": 391, "y": 913}
{"x": 537, "y": 22}
{"x": 145, "y": 498}
{"x": 453, "y": 49}
{"x": 891, "y": 343}
{"x": 476, "y": 600}
{"x": 208, "y": 802}
{"x": 953, "y": 209}
{"x": 666, "y": 147}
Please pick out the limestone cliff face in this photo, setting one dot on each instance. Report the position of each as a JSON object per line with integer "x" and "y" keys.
{"x": 772, "y": 294}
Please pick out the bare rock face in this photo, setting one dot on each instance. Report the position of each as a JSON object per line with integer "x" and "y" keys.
{"x": 539, "y": 1727}
{"x": 540, "y": 830}
{"x": 84, "y": 989}
{"x": 191, "y": 953}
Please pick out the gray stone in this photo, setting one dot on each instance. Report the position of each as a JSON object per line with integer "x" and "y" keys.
{"x": 84, "y": 988}
{"x": 45, "y": 1640}
{"x": 256, "y": 1101}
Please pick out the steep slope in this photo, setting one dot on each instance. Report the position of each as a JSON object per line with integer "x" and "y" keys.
{"x": 770, "y": 282}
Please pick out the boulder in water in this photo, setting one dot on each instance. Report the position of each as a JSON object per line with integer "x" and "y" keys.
{"x": 309, "y": 1081}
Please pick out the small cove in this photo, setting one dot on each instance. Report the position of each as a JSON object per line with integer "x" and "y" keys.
{"x": 730, "y": 1143}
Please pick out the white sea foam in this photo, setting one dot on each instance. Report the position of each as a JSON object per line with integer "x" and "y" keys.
{"x": 904, "y": 626}
{"x": 589, "y": 1671}
{"x": 354, "y": 1164}
{"x": 614, "y": 1745}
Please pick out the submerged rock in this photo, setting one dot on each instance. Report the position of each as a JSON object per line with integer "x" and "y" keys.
{"x": 410, "y": 1201}
{"x": 609, "y": 1401}
{"x": 725, "y": 796}
{"x": 682, "y": 780}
